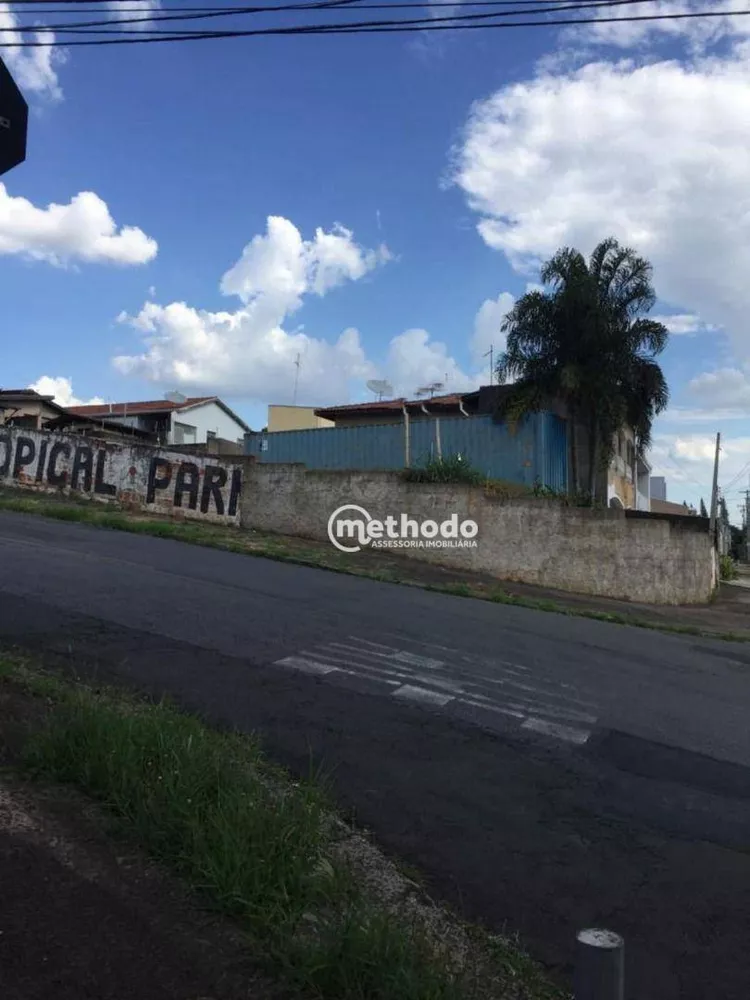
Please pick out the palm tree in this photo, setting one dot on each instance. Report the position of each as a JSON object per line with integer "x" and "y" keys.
{"x": 586, "y": 341}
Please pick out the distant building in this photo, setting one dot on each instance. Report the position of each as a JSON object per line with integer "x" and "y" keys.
{"x": 658, "y": 488}
{"x": 294, "y": 418}
{"x": 27, "y": 408}
{"x": 177, "y": 420}
{"x": 670, "y": 507}
{"x": 628, "y": 475}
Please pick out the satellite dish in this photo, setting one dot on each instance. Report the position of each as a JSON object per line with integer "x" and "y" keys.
{"x": 380, "y": 386}
{"x": 431, "y": 389}
{"x": 175, "y": 397}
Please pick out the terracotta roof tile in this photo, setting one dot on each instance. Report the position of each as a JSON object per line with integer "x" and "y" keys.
{"x": 136, "y": 407}
{"x": 384, "y": 405}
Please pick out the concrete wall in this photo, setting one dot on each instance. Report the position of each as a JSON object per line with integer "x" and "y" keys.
{"x": 603, "y": 552}
{"x": 150, "y": 479}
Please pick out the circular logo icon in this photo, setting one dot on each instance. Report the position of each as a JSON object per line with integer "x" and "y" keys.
{"x": 349, "y": 527}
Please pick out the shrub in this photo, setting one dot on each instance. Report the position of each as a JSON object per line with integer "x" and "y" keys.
{"x": 451, "y": 469}
{"x": 727, "y": 569}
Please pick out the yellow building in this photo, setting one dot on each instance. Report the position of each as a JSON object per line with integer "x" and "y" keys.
{"x": 294, "y": 418}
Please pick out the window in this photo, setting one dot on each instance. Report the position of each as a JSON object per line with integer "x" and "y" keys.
{"x": 184, "y": 433}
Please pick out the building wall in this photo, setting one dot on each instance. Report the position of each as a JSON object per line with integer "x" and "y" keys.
{"x": 603, "y": 552}
{"x": 294, "y": 418}
{"x": 658, "y": 488}
{"x": 535, "y": 448}
{"x": 208, "y": 417}
{"x": 149, "y": 479}
{"x": 32, "y": 413}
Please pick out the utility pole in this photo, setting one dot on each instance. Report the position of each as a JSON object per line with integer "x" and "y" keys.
{"x": 747, "y": 525}
{"x": 491, "y": 355}
{"x": 297, "y": 363}
{"x": 715, "y": 490}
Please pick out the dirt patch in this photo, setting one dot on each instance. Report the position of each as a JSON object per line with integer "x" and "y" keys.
{"x": 85, "y": 915}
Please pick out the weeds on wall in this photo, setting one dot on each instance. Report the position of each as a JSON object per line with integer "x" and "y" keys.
{"x": 451, "y": 469}
{"x": 581, "y": 498}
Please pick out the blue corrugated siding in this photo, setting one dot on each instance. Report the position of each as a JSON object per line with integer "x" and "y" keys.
{"x": 534, "y": 449}
{"x": 555, "y": 454}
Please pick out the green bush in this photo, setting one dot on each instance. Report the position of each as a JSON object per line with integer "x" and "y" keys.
{"x": 451, "y": 469}
{"x": 727, "y": 568}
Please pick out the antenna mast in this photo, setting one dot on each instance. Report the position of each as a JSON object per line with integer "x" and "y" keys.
{"x": 297, "y": 364}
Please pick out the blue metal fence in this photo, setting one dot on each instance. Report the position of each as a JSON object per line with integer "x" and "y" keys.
{"x": 534, "y": 449}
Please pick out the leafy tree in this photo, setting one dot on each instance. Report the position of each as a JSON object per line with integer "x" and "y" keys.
{"x": 585, "y": 339}
{"x": 704, "y": 512}
{"x": 723, "y": 512}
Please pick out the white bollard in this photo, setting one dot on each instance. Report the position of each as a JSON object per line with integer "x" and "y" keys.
{"x": 600, "y": 965}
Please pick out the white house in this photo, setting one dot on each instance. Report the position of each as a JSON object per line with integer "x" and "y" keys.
{"x": 175, "y": 420}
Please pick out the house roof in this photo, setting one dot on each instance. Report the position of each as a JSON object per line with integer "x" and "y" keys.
{"x": 152, "y": 406}
{"x": 138, "y": 406}
{"x": 9, "y": 397}
{"x": 67, "y": 419}
{"x": 384, "y": 406}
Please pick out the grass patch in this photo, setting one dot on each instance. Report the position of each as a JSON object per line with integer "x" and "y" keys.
{"x": 260, "y": 845}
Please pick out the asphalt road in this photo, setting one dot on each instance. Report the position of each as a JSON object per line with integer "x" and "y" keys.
{"x": 546, "y": 773}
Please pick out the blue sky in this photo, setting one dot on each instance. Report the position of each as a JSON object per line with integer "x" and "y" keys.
{"x": 375, "y": 204}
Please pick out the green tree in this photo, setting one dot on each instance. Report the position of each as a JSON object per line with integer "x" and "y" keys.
{"x": 723, "y": 512}
{"x": 704, "y": 512}
{"x": 586, "y": 339}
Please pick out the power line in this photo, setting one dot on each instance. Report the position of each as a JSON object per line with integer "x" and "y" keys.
{"x": 363, "y": 27}
{"x": 73, "y": 6}
{"x": 106, "y": 25}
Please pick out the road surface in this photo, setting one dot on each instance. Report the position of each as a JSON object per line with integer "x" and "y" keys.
{"x": 546, "y": 773}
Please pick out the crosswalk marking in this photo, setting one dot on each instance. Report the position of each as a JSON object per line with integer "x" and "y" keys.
{"x": 536, "y": 700}
{"x": 423, "y": 695}
{"x": 579, "y": 736}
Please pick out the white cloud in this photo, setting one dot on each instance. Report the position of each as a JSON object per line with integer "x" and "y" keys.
{"x": 487, "y": 324}
{"x": 82, "y": 230}
{"x": 61, "y": 389}
{"x": 697, "y": 33}
{"x": 687, "y": 323}
{"x": 34, "y": 70}
{"x": 725, "y": 388}
{"x": 248, "y": 352}
{"x": 655, "y": 155}
{"x": 122, "y": 10}
{"x": 686, "y": 461}
{"x": 281, "y": 267}
{"x": 414, "y": 361}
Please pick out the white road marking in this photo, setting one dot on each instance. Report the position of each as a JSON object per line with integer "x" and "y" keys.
{"x": 578, "y": 736}
{"x": 399, "y": 655}
{"x": 491, "y": 707}
{"x": 423, "y": 695}
{"x": 368, "y": 671}
{"x": 306, "y": 666}
{"x": 537, "y": 702}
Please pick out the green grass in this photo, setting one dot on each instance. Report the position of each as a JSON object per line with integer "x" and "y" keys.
{"x": 273, "y": 547}
{"x": 259, "y": 845}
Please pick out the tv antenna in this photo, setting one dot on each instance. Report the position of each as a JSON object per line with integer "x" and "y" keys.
{"x": 380, "y": 386}
{"x": 297, "y": 364}
{"x": 430, "y": 389}
{"x": 491, "y": 355}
